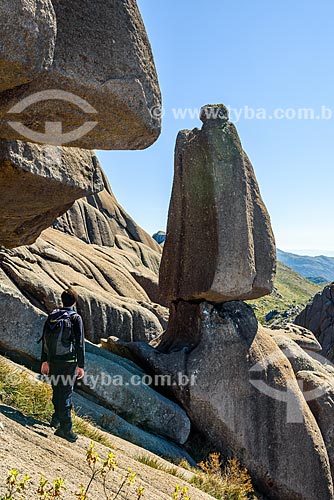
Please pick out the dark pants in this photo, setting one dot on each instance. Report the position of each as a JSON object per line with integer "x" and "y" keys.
{"x": 62, "y": 381}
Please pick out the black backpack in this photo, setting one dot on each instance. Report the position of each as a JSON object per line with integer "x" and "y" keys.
{"x": 58, "y": 337}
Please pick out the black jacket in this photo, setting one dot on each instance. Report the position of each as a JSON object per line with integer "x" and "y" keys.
{"x": 78, "y": 354}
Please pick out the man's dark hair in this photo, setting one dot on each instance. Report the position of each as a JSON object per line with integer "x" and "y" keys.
{"x": 69, "y": 297}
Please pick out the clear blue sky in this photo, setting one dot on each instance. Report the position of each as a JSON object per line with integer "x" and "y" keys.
{"x": 241, "y": 53}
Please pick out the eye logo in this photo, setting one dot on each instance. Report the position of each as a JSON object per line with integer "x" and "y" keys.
{"x": 53, "y": 130}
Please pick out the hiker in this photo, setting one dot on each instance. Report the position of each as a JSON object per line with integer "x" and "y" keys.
{"x": 63, "y": 358}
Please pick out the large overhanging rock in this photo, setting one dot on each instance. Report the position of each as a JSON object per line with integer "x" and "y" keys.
{"x": 28, "y": 34}
{"x": 39, "y": 183}
{"x": 240, "y": 391}
{"x": 102, "y": 78}
{"x": 318, "y": 317}
{"x": 219, "y": 243}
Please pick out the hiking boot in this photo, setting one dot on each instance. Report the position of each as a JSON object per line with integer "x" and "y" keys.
{"x": 68, "y": 435}
{"x": 54, "y": 422}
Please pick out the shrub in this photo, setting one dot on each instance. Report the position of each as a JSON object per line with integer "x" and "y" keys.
{"x": 224, "y": 482}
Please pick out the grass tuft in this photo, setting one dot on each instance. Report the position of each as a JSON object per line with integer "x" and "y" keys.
{"x": 156, "y": 464}
{"x": 85, "y": 427}
{"x": 20, "y": 390}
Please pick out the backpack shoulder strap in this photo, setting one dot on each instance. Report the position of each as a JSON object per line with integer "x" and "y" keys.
{"x": 42, "y": 337}
{"x": 71, "y": 315}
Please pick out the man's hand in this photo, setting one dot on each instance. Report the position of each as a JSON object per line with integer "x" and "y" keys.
{"x": 45, "y": 368}
{"x": 80, "y": 373}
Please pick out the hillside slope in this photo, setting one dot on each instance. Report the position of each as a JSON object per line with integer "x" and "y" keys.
{"x": 309, "y": 267}
{"x": 291, "y": 294}
{"x": 30, "y": 446}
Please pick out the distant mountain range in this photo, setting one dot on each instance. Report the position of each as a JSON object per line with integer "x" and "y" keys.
{"x": 159, "y": 237}
{"x": 318, "y": 269}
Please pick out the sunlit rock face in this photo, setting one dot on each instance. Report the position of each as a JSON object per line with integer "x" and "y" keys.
{"x": 39, "y": 183}
{"x": 94, "y": 51}
{"x": 219, "y": 244}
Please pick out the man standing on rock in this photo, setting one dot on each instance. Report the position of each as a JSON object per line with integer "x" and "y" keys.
{"x": 63, "y": 358}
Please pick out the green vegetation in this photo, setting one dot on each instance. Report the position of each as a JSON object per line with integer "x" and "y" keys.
{"x": 102, "y": 469}
{"x": 86, "y": 428}
{"x": 292, "y": 290}
{"x": 19, "y": 390}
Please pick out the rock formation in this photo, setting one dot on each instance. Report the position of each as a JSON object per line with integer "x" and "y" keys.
{"x": 242, "y": 394}
{"x": 28, "y": 35}
{"x": 219, "y": 243}
{"x": 315, "y": 378}
{"x": 71, "y": 73}
{"x": 98, "y": 218}
{"x": 82, "y": 74}
{"x": 39, "y": 183}
{"x": 113, "y": 382}
{"x": 117, "y": 280}
{"x": 238, "y": 387}
{"x": 302, "y": 336}
{"x": 99, "y": 52}
{"x": 318, "y": 317}
{"x": 322, "y": 405}
{"x": 110, "y": 421}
